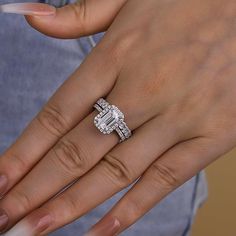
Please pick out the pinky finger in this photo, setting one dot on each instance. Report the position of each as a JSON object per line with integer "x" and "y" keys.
{"x": 168, "y": 172}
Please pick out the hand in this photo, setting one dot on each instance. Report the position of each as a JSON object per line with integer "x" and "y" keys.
{"x": 170, "y": 67}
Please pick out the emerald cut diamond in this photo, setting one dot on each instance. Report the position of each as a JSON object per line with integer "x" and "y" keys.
{"x": 108, "y": 119}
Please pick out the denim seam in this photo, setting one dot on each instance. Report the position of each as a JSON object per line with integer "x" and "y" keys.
{"x": 92, "y": 41}
{"x": 194, "y": 196}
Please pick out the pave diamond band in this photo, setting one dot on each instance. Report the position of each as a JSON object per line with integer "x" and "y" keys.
{"x": 110, "y": 119}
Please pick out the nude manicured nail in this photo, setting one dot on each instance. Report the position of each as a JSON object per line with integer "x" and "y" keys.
{"x": 43, "y": 224}
{"x": 3, "y": 220}
{"x": 19, "y": 229}
{"x": 34, "y": 9}
{"x": 3, "y": 185}
{"x": 27, "y": 229}
{"x": 107, "y": 227}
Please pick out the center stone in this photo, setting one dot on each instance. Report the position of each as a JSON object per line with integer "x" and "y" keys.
{"x": 107, "y": 121}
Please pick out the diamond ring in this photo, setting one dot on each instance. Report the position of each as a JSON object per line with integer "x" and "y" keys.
{"x": 110, "y": 118}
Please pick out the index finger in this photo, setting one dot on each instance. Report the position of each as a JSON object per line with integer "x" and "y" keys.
{"x": 68, "y": 106}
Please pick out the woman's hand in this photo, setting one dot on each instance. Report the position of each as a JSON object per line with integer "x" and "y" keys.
{"x": 170, "y": 66}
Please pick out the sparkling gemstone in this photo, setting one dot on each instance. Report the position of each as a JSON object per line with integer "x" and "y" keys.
{"x": 108, "y": 119}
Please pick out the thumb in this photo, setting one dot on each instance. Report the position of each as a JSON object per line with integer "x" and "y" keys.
{"x": 82, "y": 18}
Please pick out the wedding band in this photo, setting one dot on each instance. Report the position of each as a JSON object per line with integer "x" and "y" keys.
{"x": 110, "y": 119}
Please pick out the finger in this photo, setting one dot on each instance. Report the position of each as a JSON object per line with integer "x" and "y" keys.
{"x": 174, "y": 167}
{"x": 119, "y": 168}
{"x": 70, "y": 104}
{"x": 81, "y": 18}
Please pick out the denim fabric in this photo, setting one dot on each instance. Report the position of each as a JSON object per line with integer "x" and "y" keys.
{"x": 32, "y": 67}
{"x": 56, "y": 3}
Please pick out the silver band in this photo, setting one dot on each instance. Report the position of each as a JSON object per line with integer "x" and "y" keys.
{"x": 110, "y": 118}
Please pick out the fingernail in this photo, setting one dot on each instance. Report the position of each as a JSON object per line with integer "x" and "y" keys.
{"x": 33, "y": 9}
{"x": 26, "y": 228}
{"x": 43, "y": 224}
{"x": 107, "y": 227}
{"x": 3, "y": 220}
{"x": 3, "y": 185}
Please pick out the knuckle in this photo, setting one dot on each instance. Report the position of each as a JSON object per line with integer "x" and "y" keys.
{"x": 117, "y": 170}
{"x": 19, "y": 165}
{"x": 121, "y": 44}
{"x": 134, "y": 211}
{"x": 164, "y": 176}
{"x": 70, "y": 204}
{"x": 52, "y": 119}
{"x": 21, "y": 200}
{"x": 70, "y": 157}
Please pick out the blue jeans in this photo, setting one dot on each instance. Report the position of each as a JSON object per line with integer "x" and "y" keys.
{"x": 32, "y": 67}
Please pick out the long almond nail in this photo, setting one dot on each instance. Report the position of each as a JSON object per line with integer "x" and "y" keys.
{"x": 34, "y": 9}
{"x": 107, "y": 227}
{"x": 26, "y": 228}
{"x": 3, "y": 185}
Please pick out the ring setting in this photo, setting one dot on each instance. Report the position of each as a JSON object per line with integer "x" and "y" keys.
{"x": 110, "y": 119}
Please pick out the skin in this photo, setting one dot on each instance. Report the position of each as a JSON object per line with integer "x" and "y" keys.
{"x": 170, "y": 66}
